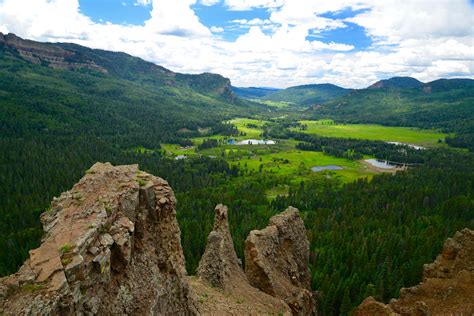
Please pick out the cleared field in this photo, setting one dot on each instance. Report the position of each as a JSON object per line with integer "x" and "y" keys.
{"x": 277, "y": 104}
{"x": 252, "y": 128}
{"x": 409, "y": 135}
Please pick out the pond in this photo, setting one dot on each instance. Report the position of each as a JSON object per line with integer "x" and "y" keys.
{"x": 256, "y": 142}
{"x": 382, "y": 164}
{"x": 322, "y": 168}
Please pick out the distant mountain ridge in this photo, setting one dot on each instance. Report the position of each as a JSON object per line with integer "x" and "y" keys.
{"x": 75, "y": 57}
{"x": 306, "y": 95}
{"x": 253, "y": 92}
{"x": 397, "y": 82}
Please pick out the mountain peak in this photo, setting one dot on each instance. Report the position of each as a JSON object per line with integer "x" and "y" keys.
{"x": 397, "y": 82}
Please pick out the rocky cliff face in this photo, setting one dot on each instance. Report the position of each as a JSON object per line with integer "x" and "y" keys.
{"x": 447, "y": 287}
{"x": 44, "y": 53}
{"x": 111, "y": 246}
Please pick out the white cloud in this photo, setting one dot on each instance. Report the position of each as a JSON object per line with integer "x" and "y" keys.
{"x": 217, "y": 29}
{"x": 177, "y": 19}
{"x": 143, "y": 2}
{"x": 427, "y": 40}
{"x": 209, "y": 3}
{"x": 243, "y": 5}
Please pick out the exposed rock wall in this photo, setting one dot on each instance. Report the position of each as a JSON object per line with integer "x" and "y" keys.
{"x": 111, "y": 246}
{"x": 277, "y": 261}
{"x": 447, "y": 287}
{"x": 54, "y": 56}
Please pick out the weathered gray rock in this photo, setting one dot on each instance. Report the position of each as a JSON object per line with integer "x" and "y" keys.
{"x": 276, "y": 261}
{"x": 108, "y": 248}
{"x": 220, "y": 269}
{"x": 219, "y": 264}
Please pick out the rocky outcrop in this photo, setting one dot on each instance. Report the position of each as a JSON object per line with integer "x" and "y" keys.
{"x": 276, "y": 261}
{"x": 49, "y": 54}
{"x": 222, "y": 286}
{"x": 111, "y": 246}
{"x": 219, "y": 265}
{"x": 447, "y": 287}
{"x": 371, "y": 307}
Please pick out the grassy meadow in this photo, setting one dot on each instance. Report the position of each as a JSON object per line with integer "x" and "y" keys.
{"x": 408, "y": 135}
{"x": 283, "y": 159}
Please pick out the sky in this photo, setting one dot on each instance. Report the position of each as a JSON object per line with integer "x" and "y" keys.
{"x": 266, "y": 43}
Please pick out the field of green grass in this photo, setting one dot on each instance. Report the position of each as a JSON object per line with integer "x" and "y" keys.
{"x": 276, "y": 104}
{"x": 408, "y": 135}
{"x": 283, "y": 159}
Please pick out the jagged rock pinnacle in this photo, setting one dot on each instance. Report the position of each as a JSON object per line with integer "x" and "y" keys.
{"x": 219, "y": 263}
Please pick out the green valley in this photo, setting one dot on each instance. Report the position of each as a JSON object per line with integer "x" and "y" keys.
{"x": 409, "y": 135}
{"x": 64, "y": 107}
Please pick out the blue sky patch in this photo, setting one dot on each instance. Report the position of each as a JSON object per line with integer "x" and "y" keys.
{"x": 115, "y": 11}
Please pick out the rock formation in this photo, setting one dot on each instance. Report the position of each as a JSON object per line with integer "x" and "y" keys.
{"x": 276, "y": 261}
{"x": 221, "y": 270}
{"x": 111, "y": 246}
{"x": 219, "y": 264}
{"x": 447, "y": 287}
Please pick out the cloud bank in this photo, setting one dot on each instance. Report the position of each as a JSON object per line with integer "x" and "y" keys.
{"x": 423, "y": 39}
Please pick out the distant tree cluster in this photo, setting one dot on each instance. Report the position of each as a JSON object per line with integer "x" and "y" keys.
{"x": 355, "y": 149}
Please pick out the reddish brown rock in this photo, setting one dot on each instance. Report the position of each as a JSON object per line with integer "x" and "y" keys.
{"x": 53, "y": 55}
{"x": 108, "y": 248}
{"x": 371, "y": 307}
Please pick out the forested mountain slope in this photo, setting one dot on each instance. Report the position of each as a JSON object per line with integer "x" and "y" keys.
{"x": 253, "y": 92}
{"x": 447, "y": 104}
{"x": 64, "y": 107}
{"x": 397, "y": 82}
{"x": 307, "y": 95}
{"x": 64, "y": 89}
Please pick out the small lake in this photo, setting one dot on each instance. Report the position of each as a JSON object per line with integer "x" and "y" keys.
{"x": 256, "y": 142}
{"x": 382, "y": 164}
{"x": 322, "y": 168}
